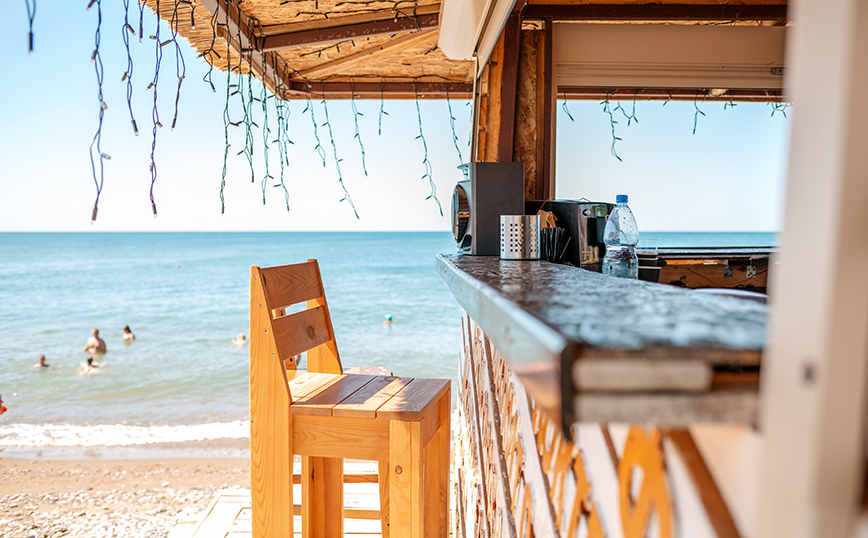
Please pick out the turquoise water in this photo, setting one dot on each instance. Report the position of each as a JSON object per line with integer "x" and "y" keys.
{"x": 185, "y": 295}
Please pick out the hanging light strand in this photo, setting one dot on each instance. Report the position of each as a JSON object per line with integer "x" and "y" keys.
{"x": 180, "y": 64}
{"x": 226, "y": 119}
{"x": 697, "y": 112}
{"x": 209, "y": 53}
{"x": 282, "y": 112}
{"x": 155, "y": 113}
{"x": 425, "y": 162}
{"x": 328, "y": 124}
{"x": 319, "y": 149}
{"x": 382, "y": 106}
{"x": 452, "y": 125}
{"x": 141, "y": 20}
{"x": 266, "y": 132}
{"x": 128, "y": 75}
{"x": 31, "y": 14}
{"x": 96, "y": 143}
{"x": 356, "y": 115}
{"x": 607, "y": 109}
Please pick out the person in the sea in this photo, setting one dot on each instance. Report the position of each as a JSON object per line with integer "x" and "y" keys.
{"x": 40, "y": 364}
{"x": 95, "y": 344}
{"x": 239, "y": 340}
{"x": 90, "y": 365}
{"x": 2, "y": 407}
{"x": 388, "y": 320}
{"x": 128, "y": 334}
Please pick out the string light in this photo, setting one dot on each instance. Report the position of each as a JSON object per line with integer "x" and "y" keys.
{"x": 607, "y": 109}
{"x": 382, "y": 105}
{"x": 452, "y": 125}
{"x": 283, "y": 111}
{"x": 141, "y": 20}
{"x": 31, "y": 14}
{"x": 697, "y": 113}
{"x": 226, "y": 118}
{"x": 319, "y": 149}
{"x": 425, "y": 162}
{"x": 337, "y": 160}
{"x": 567, "y": 111}
{"x": 96, "y": 143}
{"x": 128, "y": 75}
{"x": 155, "y": 113}
{"x": 779, "y": 107}
{"x": 266, "y": 131}
{"x": 209, "y": 53}
{"x": 356, "y": 115}
{"x": 729, "y": 104}
{"x": 180, "y": 64}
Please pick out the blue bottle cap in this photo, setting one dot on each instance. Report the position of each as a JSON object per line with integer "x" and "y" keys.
{"x": 621, "y": 199}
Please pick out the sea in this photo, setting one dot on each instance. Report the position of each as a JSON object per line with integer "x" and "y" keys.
{"x": 181, "y": 388}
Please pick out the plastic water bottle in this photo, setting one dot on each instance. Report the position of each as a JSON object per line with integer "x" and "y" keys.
{"x": 620, "y": 236}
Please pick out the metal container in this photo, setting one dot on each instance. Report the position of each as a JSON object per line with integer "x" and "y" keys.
{"x": 519, "y": 237}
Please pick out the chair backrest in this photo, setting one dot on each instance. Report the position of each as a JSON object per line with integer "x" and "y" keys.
{"x": 285, "y": 336}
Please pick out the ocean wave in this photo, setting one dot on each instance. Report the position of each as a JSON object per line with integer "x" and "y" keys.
{"x": 66, "y": 435}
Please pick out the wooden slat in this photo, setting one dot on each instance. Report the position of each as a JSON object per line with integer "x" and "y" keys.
{"x": 287, "y": 285}
{"x": 321, "y": 36}
{"x": 322, "y": 402}
{"x": 338, "y": 437}
{"x": 414, "y": 401}
{"x": 335, "y": 20}
{"x": 300, "y": 332}
{"x": 637, "y": 374}
{"x": 715, "y": 506}
{"x": 365, "y": 402}
{"x": 356, "y": 478}
{"x": 668, "y": 409}
{"x": 304, "y": 385}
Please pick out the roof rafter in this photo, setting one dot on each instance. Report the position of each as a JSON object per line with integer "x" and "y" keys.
{"x": 343, "y": 32}
{"x": 657, "y": 12}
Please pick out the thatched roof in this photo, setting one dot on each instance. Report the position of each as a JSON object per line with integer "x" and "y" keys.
{"x": 323, "y": 46}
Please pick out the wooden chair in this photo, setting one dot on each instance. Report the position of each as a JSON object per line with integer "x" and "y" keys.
{"x": 325, "y": 415}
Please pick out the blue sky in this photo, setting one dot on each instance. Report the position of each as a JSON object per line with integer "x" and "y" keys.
{"x": 729, "y": 176}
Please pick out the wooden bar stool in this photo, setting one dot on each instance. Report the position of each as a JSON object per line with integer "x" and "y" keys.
{"x": 325, "y": 416}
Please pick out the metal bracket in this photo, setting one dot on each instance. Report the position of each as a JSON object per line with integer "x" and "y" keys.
{"x": 751, "y": 271}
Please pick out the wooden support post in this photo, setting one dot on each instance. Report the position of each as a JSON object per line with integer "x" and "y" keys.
{"x": 815, "y": 373}
{"x": 550, "y": 91}
{"x": 322, "y": 497}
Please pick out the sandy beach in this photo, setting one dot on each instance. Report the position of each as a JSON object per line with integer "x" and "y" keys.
{"x": 109, "y": 498}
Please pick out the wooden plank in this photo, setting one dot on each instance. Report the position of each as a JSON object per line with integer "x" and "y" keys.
{"x": 376, "y": 52}
{"x": 405, "y": 459}
{"x": 324, "y": 358}
{"x": 322, "y": 402}
{"x": 322, "y": 36}
{"x": 549, "y": 98}
{"x": 509, "y": 87}
{"x": 355, "y": 478}
{"x": 322, "y": 497}
{"x": 638, "y": 375}
{"x": 424, "y": 89}
{"x": 299, "y": 332}
{"x": 287, "y": 285}
{"x": 303, "y": 386}
{"x": 715, "y": 506}
{"x": 414, "y": 401}
{"x": 668, "y": 409}
{"x": 385, "y": 502}
{"x": 338, "y": 437}
{"x": 337, "y": 20}
{"x": 270, "y": 424}
{"x": 657, "y": 12}
{"x": 365, "y": 402}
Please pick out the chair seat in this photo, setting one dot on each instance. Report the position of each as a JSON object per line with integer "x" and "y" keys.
{"x": 364, "y": 396}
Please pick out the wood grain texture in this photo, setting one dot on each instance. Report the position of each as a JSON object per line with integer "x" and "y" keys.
{"x": 322, "y": 496}
{"x": 385, "y": 502}
{"x": 322, "y": 402}
{"x": 300, "y": 331}
{"x": 324, "y": 358}
{"x": 270, "y": 422}
{"x": 668, "y": 409}
{"x": 287, "y": 285}
{"x": 365, "y": 402}
{"x": 414, "y": 401}
{"x": 306, "y": 385}
{"x": 337, "y": 437}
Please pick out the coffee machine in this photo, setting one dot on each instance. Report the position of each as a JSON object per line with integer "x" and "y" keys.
{"x": 584, "y": 221}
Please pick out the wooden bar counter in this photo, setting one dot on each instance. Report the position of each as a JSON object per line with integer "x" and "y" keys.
{"x": 572, "y": 380}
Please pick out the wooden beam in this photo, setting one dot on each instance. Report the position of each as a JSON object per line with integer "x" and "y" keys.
{"x": 371, "y": 53}
{"x": 321, "y": 36}
{"x": 373, "y": 90}
{"x": 674, "y": 94}
{"x": 335, "y": 21}
{"x": 549, "y": 98}
{"x": 656, "y": 12}
{"x": 509, "y": 87}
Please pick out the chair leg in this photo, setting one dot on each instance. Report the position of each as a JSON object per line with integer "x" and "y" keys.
{"x": 383, "y": 479}
{"x": 405, "y": 477}
{"x": 322, "y": 497}
{"x": 437, "y": 462}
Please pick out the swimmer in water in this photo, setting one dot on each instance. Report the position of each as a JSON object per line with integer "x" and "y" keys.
{"x": 40, "y": 363}
{"x": 388, "y": 320}
{"x": 2, "y": 407}
{"x": 239, "y": 340}
{"x": 95, "y": 344}
{"x": 128, "y": 334}
{"x": 90, "y": 365}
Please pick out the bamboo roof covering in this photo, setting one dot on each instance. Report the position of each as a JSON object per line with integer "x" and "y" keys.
{"x": 332, "y": 47}
{"x": 371, "y": 48}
